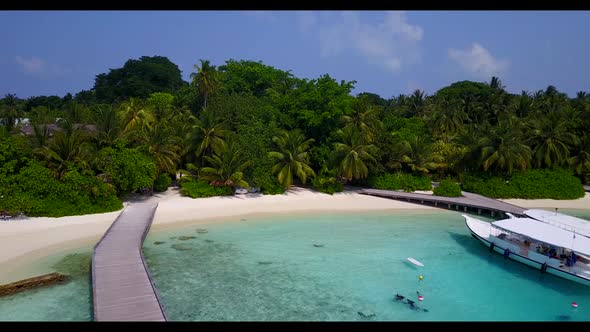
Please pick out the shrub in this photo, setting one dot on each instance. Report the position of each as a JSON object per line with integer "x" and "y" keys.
{"x": 532, "y": 184}
{"x": 35, "y": 192}
{"x": 447, "y": 188}
{"x": 162, "y": 182}
{"x": 397, "y": 181}
{"x": 268, "y": 184}
{"x": 128, "y": 169}
{"x": 327, "y": 184}
{"x": 200, "y": 188}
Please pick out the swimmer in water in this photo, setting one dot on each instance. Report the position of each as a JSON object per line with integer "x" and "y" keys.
{"x": 399, "y": 297}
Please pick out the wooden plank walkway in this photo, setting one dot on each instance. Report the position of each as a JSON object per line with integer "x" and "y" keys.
{"x": 468, "y": 200}
{"x": 122, "y": 286}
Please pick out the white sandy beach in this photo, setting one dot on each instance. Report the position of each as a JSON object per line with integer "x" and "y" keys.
{"x": 22, "y": 242}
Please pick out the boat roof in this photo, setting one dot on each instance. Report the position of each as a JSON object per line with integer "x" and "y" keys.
{"x": 580, "y": 226}
{"x": 546, "y": 233}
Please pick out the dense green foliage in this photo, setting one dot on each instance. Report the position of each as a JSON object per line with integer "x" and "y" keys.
{"x": 200, "y": 188}
{"x": 447, "y": 188}
{"x": 138, "y": 78}
{"x": 34, "y": 191}
{"x": 532, "y": 184}
{"x": 162, "y": 182}
{"x": 127, "y": 169}
{"x": 399, "y": 181}
{"x": 327, "y": 184}
{"x": 247, "y": 124}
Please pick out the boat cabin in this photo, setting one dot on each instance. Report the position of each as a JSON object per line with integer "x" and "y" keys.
{"x": 543, "y": 243}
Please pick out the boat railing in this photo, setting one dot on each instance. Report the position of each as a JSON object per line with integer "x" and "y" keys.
{"x": 566, "y": 227}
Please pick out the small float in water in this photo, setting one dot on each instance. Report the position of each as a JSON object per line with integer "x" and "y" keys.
{"x": 414, "y": 261}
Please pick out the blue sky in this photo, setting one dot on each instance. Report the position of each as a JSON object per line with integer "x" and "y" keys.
{"x": 52, "y": 52}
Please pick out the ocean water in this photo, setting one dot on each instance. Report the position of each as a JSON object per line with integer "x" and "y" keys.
{"x": 70, "y": 301}
{"x": 323, "y": 267}
{"x": 268, "y": 269}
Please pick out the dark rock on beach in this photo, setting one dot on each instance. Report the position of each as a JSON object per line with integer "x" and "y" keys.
{"x": 159, "y": 242}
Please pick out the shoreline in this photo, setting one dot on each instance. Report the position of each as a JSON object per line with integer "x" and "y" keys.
{"x": 24, "y": 243}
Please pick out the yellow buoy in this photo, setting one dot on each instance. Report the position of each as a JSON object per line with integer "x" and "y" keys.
{"x": 420, "y": 277}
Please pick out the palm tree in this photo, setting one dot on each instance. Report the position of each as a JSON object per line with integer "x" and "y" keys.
{"x": 504, "y": 150}
{"x": 11, "y": 112}
{"x": 416, "y": 152}
{"x": 158, "y": 142}
{"x": 226, "y": 167}
{"x": 364, "y": 119}
{"x": 292, "y": 157}
{"x": 69, "y": 145}
{"x": 496, "y": 83}
{"x": 522, "y": 105}
{"x": 470, "y": 141}
{"x": 417, "y": 102}
{"x": 40, "y": 136}
{"x": 208, "y": 133}
{"x": 351, "y": 152}
{"x": 206, "y": 79}
{"x": 551, "y": 139}
{"x": 580, "y": 162}
{"x": 107, "y": 125}
{"x": 182, "y": 124}
{"x": 134, "y": 114}
{"x": 447, "y": 119}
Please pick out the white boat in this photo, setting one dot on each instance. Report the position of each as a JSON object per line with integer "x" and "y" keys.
{"x": 580, "y": 226}
{"x": 540, "y": 245}
{"x": 414, "y": 261}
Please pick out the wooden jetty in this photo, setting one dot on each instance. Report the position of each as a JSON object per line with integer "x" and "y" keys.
{"x": 467, "y": 202}
{"x": 122, "y": 287}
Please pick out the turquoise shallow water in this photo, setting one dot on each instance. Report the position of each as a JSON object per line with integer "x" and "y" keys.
{"x": 267, "y": 268}
{"x": 71, "y": 301}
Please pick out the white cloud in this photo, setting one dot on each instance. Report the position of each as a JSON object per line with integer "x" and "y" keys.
{"x": 33, "y": 65}
{"x": 37, "y": 66}
{"x": 478, "y": 61}
{"x": 391, "y": 41}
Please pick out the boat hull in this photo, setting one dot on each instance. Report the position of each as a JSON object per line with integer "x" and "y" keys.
{"x": 499, "y": 248}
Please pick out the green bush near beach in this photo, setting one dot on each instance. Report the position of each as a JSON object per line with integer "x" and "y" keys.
{"x": 398, "y": 181}
{"x": 532, "y": 184}
{"x": 200, "y": 188}
{"x": 162, "y": 182}
{"x": 327, "y": 184}
{"x": 127, "y": 169}
{"x": 447, "y": 188}
{"x": 35, "y": 191}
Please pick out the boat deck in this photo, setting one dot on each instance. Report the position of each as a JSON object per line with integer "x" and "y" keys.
{"x": 122, "y": 286}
